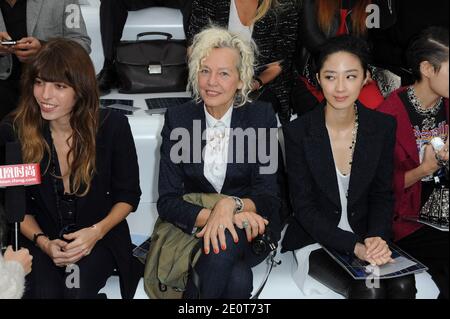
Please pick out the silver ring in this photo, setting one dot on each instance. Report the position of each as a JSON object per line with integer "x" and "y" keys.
{"x": 221, "y": 226}
{"x": 87, "y": 252}
{"x": 245, "y": 224}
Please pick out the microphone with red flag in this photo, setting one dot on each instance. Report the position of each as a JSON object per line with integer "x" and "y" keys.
{"x": 15, "y": 176}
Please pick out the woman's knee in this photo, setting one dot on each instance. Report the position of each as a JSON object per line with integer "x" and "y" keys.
{"x": 232, "y": 249}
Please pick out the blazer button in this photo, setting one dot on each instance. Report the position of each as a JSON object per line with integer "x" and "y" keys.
{"x": 337, "y": 212}
{"x": 352, "y": 214}
{"x": 107, "y": 193}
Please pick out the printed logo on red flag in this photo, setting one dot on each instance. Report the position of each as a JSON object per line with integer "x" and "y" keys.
{"x": 20, "y": 174}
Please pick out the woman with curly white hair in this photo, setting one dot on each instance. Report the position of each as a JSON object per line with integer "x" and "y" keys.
{"x": 220, "y": 77}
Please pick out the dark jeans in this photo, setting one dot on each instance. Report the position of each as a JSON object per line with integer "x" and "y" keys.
{"x": 327, "y": 271}
{"x": 228, "y": 274}
{"x": 114, "y": 13}
{"x": 9, "y": 96}
{"x": 47, "y": 281}
{"x": 431, "y": 247}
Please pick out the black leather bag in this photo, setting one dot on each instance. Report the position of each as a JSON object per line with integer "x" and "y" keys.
{"x": 152, "y": 66}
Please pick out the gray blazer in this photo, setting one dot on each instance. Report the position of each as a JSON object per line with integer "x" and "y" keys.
{"x": 48, "y": 19}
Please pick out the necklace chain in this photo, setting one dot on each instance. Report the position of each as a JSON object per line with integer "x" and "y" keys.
{"x": 432, "y": 111}
{"x": 354, "y": 134}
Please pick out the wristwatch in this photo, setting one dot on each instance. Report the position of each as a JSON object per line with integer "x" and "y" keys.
{"x": 239, "y": 204}
{"x": 261, "y": 84}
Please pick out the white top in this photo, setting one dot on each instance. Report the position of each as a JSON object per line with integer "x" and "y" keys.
{"x": 343, "y": 182}
{"x": 306, "y": 283}
{"x": 235, "y": 25}
{"x": 215, "y": 155}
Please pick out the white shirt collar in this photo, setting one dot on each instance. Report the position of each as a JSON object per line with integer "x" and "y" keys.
{"x": 225, "y": 119}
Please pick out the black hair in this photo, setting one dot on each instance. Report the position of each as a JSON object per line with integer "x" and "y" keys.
{"x": 344, "y": 43}
{"x": 429, "y": 45}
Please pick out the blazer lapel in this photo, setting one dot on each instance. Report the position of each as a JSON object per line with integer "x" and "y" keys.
{"x": 199, "y": 114}
{"x": 405, "y": 134}
{"x": 33, "y": 13}
{"x": 320, "y": 157}
{"x": 236, "y": 121}
{"x": 365, "y": 157}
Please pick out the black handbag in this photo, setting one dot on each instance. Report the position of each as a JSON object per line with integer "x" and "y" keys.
{"x": 152, "y": 66}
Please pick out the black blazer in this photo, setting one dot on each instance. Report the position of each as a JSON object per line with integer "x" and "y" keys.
{"x": 275, "y": 36}
{"x": 116, "y": 180}
{"x": 242, "y": 179}
{"x": 313, "y": 182}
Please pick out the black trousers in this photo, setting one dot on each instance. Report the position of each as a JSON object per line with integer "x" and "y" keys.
{"x": 47, "y": 281}
{"x": 430, "y": 246}
{"x": 9, "y": 96}
{"x": 228, "y": 274}
{"x": 114, "y": 13}
{"x": 327, "y": 271}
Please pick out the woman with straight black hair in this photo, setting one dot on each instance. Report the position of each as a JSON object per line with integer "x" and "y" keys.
{"x": 340, "y": 162}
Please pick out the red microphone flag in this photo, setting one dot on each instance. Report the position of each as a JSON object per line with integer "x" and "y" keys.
{"x": 20, "y": 175}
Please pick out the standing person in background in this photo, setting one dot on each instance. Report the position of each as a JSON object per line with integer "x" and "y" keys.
{"x": 31, "y": 23}
{"x": 421, "y": 111}
{"x": 113, "y": 16}
{"x": 272, "y": 25}
{"x": 411, "y": 17}
{"x": 320, "y": 20}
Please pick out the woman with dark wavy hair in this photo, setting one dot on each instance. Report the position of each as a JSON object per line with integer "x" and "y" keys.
{"x": 75, "y": 219}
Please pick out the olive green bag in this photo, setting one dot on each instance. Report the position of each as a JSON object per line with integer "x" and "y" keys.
{"x": 168, "y": 258}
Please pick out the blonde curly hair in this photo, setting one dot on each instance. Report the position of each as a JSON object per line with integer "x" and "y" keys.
{"x": 215, "y": 38}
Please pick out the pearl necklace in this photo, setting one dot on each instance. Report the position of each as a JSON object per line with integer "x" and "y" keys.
{"x": 353, "y": 144}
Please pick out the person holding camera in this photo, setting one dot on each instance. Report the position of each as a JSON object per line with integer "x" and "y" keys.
{"x": 24, "y": 27}
{"x": 75, "y": 225}
{"x": 14, "y": 265}
{"x": 421, "y": 166}
{"x": 340, "y": 161}
{"x": 220, "y": 76}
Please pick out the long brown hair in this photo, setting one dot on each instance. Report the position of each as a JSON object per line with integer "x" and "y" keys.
{"x": 63, "y": 61}
{"x": 327, "y": 9}
{"x": 263, "y": 7}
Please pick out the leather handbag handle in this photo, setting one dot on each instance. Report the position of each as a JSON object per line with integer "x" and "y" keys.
{"x": 142, "y": 34}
